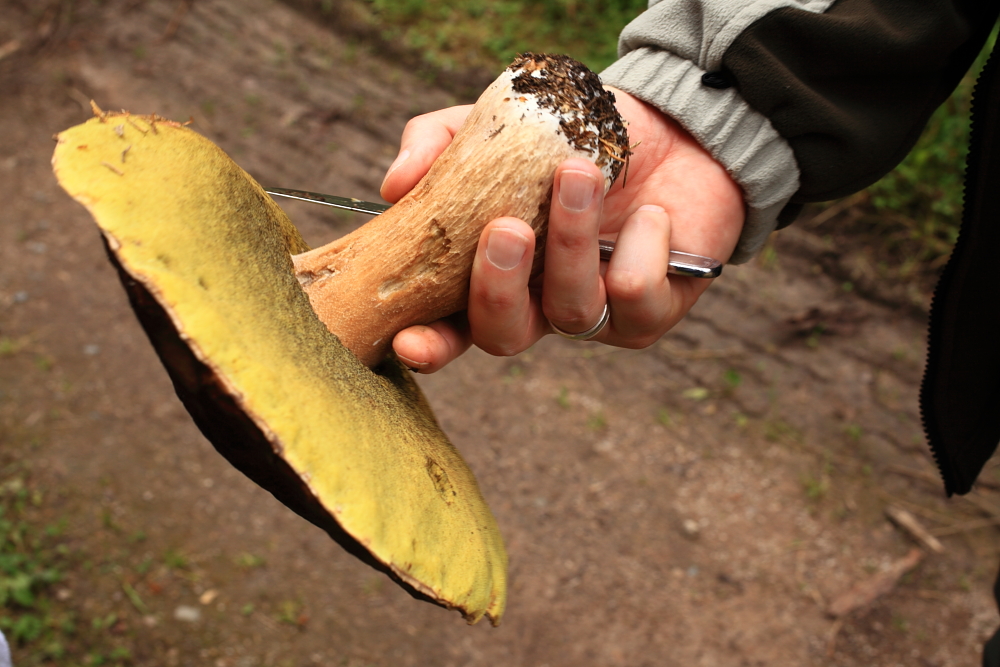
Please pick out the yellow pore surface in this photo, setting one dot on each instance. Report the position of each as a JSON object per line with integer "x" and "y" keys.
{"x": 201, "y": 236}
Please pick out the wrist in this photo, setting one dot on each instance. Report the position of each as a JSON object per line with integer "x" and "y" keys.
{"x": 739, "y": 138}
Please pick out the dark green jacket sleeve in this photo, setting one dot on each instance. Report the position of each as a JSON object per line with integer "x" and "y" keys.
{"x": 801, "y": 100}
{"x": 851, "y": 89}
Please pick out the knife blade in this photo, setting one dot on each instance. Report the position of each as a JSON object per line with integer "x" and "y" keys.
{"x": 680, "y": 263}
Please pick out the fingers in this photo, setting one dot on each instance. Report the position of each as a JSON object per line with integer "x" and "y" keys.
{"x": 636, "y": 282}
{"x": 424, "y": 139}
{"x": 504, "y": 318}
{"x": 644, "y": 302}
{"x": 428, "y": 349}
{"x": 572, "y": 291}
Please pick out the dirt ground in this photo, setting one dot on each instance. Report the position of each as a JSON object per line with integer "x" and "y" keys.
{"x": 701, "y": 502}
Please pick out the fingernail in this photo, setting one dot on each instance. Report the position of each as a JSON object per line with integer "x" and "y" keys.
{"x": 505, "y": 249}
{"x": 576, "y": 190}
{"x": 651, "y": 207}
{"x": 396, "y": 164}
{"x": 415, "y": 366}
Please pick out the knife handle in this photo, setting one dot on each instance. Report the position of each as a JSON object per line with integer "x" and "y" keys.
{"x": 680, "y": 263}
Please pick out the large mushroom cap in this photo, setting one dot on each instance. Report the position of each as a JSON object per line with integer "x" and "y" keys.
{"x": 207, "y": 260}
{"x": 205, "y": 257}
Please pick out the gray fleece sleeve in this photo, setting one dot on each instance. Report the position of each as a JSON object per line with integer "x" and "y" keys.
{"x": 664, "y": 54}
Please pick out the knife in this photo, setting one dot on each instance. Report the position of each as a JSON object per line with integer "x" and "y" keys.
{"x": 680, "y": 263}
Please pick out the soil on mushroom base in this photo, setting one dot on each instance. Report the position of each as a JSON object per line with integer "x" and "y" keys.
{"x": 699, "y": 502}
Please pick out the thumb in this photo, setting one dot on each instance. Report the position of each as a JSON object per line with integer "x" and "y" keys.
{"x": 424, "y": 139}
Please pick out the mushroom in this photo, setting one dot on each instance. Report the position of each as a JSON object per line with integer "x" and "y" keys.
{"x": 240, "y": 312}
{"x": 411, "y": 264}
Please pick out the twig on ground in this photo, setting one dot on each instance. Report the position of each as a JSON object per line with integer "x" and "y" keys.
{"x": 914, "y": 508}
{"x": 79, "y": 97}
{"x": 911, "y": 525}
{"x": 867, "y": 591}
{"x": 47, "y": 25}
{"x": 133, "y": 597}
{"x": 831, "y": 640}
{"x": 9, "y": 47}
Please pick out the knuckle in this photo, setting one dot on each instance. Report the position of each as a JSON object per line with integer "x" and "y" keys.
{"x": 627, "y": 286}
{"x": 412, "y": 127}
{"x": 418, "y": 121}
{"x": 418, "y": 126}
{"x": 570, "y": 240}
{"x": 493, "y": 300}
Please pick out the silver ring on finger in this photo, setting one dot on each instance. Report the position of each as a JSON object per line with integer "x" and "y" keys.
{"x": 589, "y": 333}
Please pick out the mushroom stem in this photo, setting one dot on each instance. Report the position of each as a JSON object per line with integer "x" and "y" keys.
{"x": 411, "y": 265}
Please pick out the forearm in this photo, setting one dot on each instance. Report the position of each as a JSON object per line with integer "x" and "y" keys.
{"x": 822, "y": 99}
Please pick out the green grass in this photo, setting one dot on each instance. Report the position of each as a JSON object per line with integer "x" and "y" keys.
{"x": 732, "y": 379}
{"x": 250, "y": 561}
{"x": 918, "y": 206}
{"x": 597, "y": 421}
{"x": 489, "y": 33}
{"x": 33, "y": 560}
{"x": 38, "y": 570}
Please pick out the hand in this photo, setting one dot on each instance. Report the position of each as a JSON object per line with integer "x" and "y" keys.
{"x": 675, "y": 195}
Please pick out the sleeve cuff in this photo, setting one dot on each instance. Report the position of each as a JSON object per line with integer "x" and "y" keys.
{"x": 739, "y": 138}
